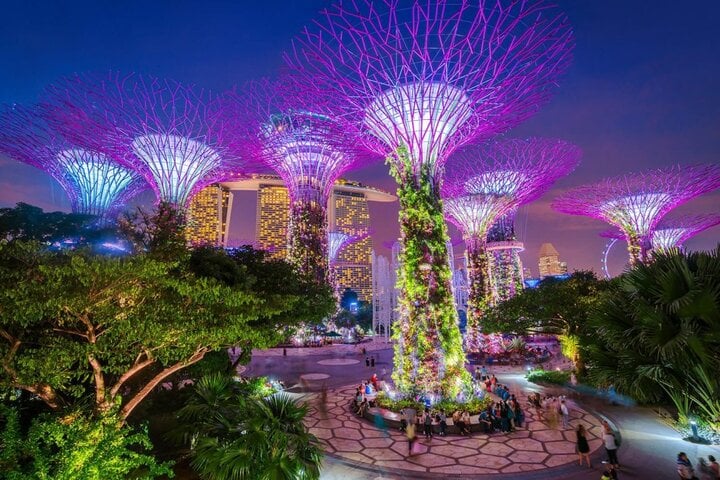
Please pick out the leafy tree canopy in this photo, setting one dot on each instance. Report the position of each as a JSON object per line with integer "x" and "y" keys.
{"x": 26, "y": 222}
{"x": 74, "y": 326}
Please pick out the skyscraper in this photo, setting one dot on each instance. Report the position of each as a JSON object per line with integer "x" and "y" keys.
{"x": 549, "y": 263}
{"x": 348, "y": 212}
{"x": 207, "y": 216}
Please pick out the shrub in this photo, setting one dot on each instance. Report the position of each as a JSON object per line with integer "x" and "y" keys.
{"x": 548, "y": 376}
{"x": 474, "y": 406}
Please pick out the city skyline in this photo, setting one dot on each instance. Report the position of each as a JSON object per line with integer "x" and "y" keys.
{"x": 642, "y": 93}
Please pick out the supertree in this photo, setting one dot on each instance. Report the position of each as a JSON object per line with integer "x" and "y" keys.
{"x": 173, "y": 135}
{"x": 523, "y": 170}
{"x": 309, "y": 151}
{"x": 95, "y": 183}
{"x": 419, "y": 82}
{"x": 636, "y": 203}
{"x": 474, "y": 214}
{"x": 673, "y": 233}
{"x": 336, "y": 242}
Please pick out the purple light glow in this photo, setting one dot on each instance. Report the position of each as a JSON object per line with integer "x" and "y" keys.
{"x": 673, "y": 233}
{"x": 636, "y": 203}
{"x": 171, "y": 134}
{"x": 95, "y": 183}
{"x": 436, "y": 75}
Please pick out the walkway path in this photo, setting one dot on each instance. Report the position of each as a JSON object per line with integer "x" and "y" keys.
{"x": 647, "y": 453}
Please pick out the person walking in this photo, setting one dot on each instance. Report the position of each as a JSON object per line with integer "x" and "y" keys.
{"x": 442, "y": 420}
{"x": 410, "y": 433}
{"x": 611, "y": 447}
{"x": 684, "y": 467}
{"x": 583, "y": 448}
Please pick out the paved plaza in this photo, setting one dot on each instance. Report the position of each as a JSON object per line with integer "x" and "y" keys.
{"x": 357, "y": 450}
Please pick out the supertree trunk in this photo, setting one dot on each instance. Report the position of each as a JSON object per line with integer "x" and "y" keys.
{"x": 635, "y": 250}
{"x": 307, "y": 239}
{"x": 428, "y": 352}
{"x": 478, "y": 291}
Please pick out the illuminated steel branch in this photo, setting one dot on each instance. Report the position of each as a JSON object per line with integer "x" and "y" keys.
{"x": 636, "y": 203}
{"x": 419, "y": 82}
{"x": 474, "y": 215}
{"x": 673, "y": 233}
{"x": 95, "y": 182}
{"x": 309, "y": 151}
{"x": 172, "y": 134}
{"x": 521, "y": 169}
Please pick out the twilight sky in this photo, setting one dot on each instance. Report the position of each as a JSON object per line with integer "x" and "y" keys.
{"x": 643, "y": 91}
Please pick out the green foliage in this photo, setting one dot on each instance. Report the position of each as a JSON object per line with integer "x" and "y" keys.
{"x": 160, "y": 233}
{"x": 29, "y": 223}
{"x": 428, "y": 346}
{"x": 74, "y": 325}
{"x": 474, "y": 406}
{"x": 234, "y": 436}
{"x": 569, "y": 346}
{"x": 657, "y": 333}
{"x": 548, "y": 376}
{"x": 73, "y": 447}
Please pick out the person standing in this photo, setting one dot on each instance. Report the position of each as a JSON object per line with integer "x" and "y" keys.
{"x": 427, "y": 422}
{"x": 684, "y": 467}
{"x": 611, "y": 447}
{"x": 565, "y": 414}
{"x": 714, "y": 467}
{"x": 583, "y": 448}
{"x": 367, "y": 361}
{"x": 372, "y": 361}
{"x": 442, "y": 419}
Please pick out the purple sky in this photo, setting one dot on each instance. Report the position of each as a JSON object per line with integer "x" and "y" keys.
{"x": 643, "y": 92}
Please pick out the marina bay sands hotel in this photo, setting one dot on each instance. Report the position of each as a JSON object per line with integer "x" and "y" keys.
{"x": 210, "y": 213}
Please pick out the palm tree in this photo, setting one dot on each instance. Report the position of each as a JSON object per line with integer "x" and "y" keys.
{"x": 235, "y": 437}
{"x": 657, "y": 333}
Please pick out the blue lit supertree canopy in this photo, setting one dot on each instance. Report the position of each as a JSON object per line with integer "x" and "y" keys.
{"x": 95, "y": 182}
{"x": 173, "y": 135}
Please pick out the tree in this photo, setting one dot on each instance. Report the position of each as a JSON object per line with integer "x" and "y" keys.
{"x": 234, "y": 435}
{"x": 558, "y": 307}
{"x": 657, "y": 333}
{"x": 74, "y": 325}
{"x": 26, "y": 222}
{"x": 160, "y": 232}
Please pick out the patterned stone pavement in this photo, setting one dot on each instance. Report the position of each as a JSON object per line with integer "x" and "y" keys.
{"x": 535, "y": 447}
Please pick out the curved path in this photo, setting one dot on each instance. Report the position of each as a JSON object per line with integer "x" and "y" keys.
{"x": 537, "y": 446}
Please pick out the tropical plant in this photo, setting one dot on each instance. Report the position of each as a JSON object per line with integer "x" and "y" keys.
{"x": 234, "y": 436}
{"x": 548, "y": 376}
{"x": 657, "y": 333}
{"x": 74, "y": 446}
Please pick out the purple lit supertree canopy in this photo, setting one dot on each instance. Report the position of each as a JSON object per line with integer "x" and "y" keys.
{"x": 172, "y": 134}
{"x": 309, "y": 151}
{"x": 95, "y": 182}
{"x": 523, "y": 170}
{"x": 420, "y": 82}
{"x": 474, "y": 214}
{"x": 673, "y": 233}
{"x": 636, "y": 203}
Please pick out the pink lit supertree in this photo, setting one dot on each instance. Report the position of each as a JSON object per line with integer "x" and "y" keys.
{"x": 173, "y": 135}
{"x": 419, "y": 82}
{"x": 636, "y": 203}
{"x": 474, "y": 214}
{"x": 308, "y": 150}
{"x": 95, "y": 182}
{"x": 523, "y": 170}
{"x": 674, "y": 232}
